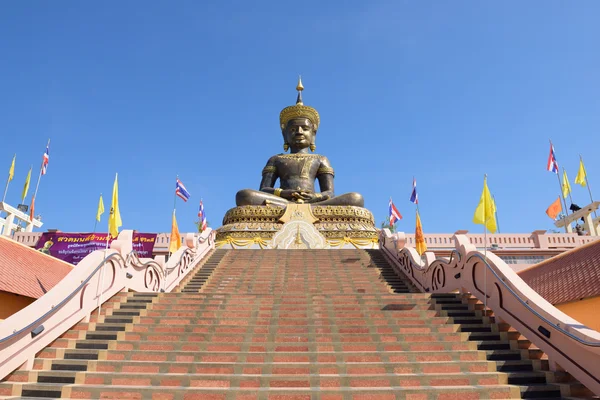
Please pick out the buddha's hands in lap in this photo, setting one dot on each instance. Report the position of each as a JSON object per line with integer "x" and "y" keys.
{"x": 308, "y": 197}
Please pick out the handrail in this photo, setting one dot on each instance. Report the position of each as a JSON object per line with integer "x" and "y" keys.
{"x": 75, "y": 299}
{"x": 567, "y": 343}
{"x": 557, "y": 327}
{"x": 183, "y": 254}
{"x": 187, "y": 251}
{"x": 134, "y": 253}
{"x": 523, "y": 302}
{"x": 60, "y": 304}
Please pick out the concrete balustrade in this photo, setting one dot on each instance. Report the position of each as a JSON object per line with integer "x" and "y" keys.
{"x": 98, "y": 277}
{"x": 568, "y": 343}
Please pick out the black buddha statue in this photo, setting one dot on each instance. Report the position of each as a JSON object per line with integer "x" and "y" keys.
{"x": 298, "y": 170}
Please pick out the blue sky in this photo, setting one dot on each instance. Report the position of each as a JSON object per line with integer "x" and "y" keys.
{"x": 444, "y": 91}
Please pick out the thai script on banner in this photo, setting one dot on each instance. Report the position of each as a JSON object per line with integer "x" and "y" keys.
{"x": 73, "y": 247}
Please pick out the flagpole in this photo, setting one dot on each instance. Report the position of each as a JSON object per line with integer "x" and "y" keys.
{"x": 8, "y": 180}
{"x": 96, "y": 220}
{"x": 105, "y": 251}
{"x": 5, "y": 189}
{"x": 560, "y": 186}
{"x": 37, "y": 185}
{"x": 174, "y": 207}
{"x": 587, "y": 183}
{"x": 485, "y": 267}
{"x": 563, "y": 201}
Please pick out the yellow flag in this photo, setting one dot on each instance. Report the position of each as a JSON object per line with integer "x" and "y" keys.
{"x": 11, "y": 171}
{"x": 485, "y": 214}
{"x": 175, "y": 242}
{"x": 581, "y": 175}
{"x": 566, "y": 186}
{"x": 421, "y": 246}
{"x": 114, "y": 219}
{"x": 100, "y": 209}
{"x": 26, "y": 187}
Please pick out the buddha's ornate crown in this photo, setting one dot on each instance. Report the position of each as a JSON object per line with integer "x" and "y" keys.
{"x": 299, "y": 110}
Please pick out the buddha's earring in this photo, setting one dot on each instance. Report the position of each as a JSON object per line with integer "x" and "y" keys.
{"x": 313, "y": 147}
{"x": 286, "y": 147}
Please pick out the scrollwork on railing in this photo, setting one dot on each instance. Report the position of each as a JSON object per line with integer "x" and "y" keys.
{"x": 567, "y": 343}
{"x": 73, "y": 299}
{"x": 186, "y": 258}
{"x": 210, "y": 238}
{"x": 84, "y": 289}
{"x": 185, "y": 261}
{"x": 115, "y": 257}
{"x": 153, "y": 277}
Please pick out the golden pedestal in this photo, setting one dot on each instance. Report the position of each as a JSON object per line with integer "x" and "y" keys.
{"x": 298, "y": 226}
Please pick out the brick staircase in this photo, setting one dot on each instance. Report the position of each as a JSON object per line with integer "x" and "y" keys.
{"x": 287, "y": 325}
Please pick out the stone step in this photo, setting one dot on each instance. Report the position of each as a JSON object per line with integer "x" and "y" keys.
{"x": 395, "y": 317}
{"x": 175, "y": 341}
{"x": 251, "y": 389}
{"x": 316, "y": 338}
{"x": 340, "y": 363}
{"x": 193, "y": 318}
{"x": 242, "y": 326}
{"x": 283, "y": 356}
{"x": 320, "y": 389}
{"x": 294, "y": 296}
{"x": 193, "y": 352}
{"x": 323, "y": 326}
{"x": 278, "y": 376}
{"x": 371, "y": 304}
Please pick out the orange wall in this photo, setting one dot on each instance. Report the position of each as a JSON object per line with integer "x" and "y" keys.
{"x": 584, "y": 311}
{"x": 11, "y": 303}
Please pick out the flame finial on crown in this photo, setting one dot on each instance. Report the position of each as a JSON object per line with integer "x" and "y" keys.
{"x": 299, "y": 110}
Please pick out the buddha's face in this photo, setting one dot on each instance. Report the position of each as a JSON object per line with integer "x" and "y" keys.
{"x": 299, "y": 133}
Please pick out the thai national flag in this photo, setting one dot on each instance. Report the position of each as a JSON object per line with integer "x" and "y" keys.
{"x": 394, "y": 213}
{"x": 202, "y": 215}
{"x": 45, "y": 160}
{"x": 414, "y": 197}
{"x": 181, "y": 191}
{"x": 552, "y": 163}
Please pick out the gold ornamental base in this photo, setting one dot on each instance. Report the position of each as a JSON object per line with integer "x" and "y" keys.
{"x": 298, "y": 226}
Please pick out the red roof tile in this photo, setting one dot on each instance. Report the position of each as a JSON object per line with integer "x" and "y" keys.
{"x": 570, "y": 276}
{"x": 28, "y": 272}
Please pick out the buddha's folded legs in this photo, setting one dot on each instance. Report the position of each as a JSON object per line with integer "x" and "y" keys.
{"x": 251, "y": 197}
{"x": 346, "y": 199}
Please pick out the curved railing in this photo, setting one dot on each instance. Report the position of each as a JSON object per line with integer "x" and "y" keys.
{"x": 54, "y": 308}
{"x": 151, "y": 277}
{"x": 97, "y": 278}
{"x": 568, "y": 343}
{"x": 186, "y": 258}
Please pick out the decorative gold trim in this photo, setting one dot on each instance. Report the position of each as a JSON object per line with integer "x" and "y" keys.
{"x": 325, "y": 170}
{"x": 326, "y": 213}
{"x": 235, "y": 242}
{"x": 359, "y": 243}
{"x": 298, "y": 155}
{"x": 277, "y": 192}
{"x": 242, "y": 242}
{"x": 299, "y": 111}
{"x": 351, "y": 234}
